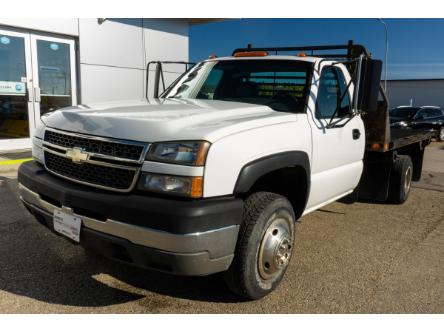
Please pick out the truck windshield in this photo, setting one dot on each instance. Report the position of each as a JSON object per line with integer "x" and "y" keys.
{"x": 280, "y": 84}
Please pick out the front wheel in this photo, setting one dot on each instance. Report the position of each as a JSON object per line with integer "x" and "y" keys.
{"x": 264, "y": 247}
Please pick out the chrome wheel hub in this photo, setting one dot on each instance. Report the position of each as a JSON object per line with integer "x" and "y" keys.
{"x": 441, "y": 134}
{"x": 276, "y": 247}
{"x": 408, "y": 180}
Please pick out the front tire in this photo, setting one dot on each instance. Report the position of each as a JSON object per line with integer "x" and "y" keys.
{"x": 264, "y": 246}
{"x": 400, "y": 179}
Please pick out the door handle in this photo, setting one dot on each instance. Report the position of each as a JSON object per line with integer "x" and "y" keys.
{"x": 356, "y": 134}
{"x": 37, "y": 94}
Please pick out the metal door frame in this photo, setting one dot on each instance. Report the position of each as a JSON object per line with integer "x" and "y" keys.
{"x": 22, "y": 143}
{"x": 34, "y": 37}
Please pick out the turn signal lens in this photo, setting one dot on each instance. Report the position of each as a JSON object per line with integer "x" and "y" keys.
{"x": 201, "y": 155}
{"x": 37, "y": 150}
{"x": 375, "y": 146}
{"x": 196, "y": 187}
{"x": 380, "y": 146}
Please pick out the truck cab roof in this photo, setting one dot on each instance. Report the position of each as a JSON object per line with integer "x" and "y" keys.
{"x": 270, "y": 57}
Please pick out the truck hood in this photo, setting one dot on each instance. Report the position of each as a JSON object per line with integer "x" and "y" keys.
{"x": 164, "y": 119}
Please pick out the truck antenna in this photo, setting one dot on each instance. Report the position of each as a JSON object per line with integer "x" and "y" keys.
{"x": 386, "y": 52}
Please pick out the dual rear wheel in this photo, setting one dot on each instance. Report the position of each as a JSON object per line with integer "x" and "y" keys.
{"x": 400, "y": 179}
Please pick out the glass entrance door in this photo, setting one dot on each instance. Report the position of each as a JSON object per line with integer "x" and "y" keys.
{"x": 16, "y": 107}
{"x": 37, "y": 75}
{"x": 54, "y": 81}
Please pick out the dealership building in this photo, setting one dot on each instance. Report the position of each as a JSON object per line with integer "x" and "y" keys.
{"x": 417, "y": 92}
{"x": 46, "y": 64}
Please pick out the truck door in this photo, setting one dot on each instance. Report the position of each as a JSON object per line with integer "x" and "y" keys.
{"x": 337, "y": 150}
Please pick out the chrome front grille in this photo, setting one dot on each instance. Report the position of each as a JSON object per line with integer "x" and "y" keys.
{"x": 109, "y": 148}
{"x": 93, "y": 174}
{"x": 106, "y": 163}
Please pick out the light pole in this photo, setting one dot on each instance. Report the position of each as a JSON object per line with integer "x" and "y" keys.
{"x": 386, "y": 52}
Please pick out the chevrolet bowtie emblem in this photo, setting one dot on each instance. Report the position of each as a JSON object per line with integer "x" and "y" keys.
{"x": 77, "y": 155}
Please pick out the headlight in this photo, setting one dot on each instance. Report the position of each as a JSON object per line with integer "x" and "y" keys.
{"x": 39, "y": 131}
{"x": 187, "y": 152}
{"x": 37, "y": 149}
{"x": 168, "y": 184}
{"x": 399, "y": 124}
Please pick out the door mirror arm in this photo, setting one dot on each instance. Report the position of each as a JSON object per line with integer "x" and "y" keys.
{"x": 337, "y": 124}
{"x": 357, "y": 77}
{"x": 332, "y": 124}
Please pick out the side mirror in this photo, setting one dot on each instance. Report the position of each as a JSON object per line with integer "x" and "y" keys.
{"x": 369, "y": 85}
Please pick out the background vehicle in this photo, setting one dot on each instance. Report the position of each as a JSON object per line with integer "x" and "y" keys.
{"x": 212, "y": 175}
{"x": 426, "y": 117}
{"x": 401, "y": 114}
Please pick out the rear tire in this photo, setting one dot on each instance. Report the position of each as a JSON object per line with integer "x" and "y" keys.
{"x": 264, "y": 246}
{"x": 400, "y": 179}
{"x": 441, "y": 134}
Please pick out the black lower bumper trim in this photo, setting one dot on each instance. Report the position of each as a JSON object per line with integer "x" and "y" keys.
{"x": 167, "y": 214}
{"x": 119, "y": 249}
{"x": 149, "y": 258}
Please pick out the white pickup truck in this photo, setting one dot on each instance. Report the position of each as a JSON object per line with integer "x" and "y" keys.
{"x": 212, "y": 176}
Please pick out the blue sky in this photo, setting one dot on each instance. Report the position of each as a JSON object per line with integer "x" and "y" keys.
{"x": 416, "y": 46}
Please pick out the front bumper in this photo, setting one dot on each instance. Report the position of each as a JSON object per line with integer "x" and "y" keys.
{"x": 193, "y": 248}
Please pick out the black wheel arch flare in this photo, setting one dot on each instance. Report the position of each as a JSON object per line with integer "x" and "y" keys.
{"x": 256, "y": 169}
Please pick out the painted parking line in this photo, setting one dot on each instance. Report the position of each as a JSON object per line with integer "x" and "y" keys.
{"x": 9, "y": 162}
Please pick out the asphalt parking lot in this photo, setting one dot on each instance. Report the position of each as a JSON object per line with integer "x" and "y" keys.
{"x": 357, "y": 258}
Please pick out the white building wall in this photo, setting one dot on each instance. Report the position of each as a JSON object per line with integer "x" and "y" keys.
{"x": 421, "y": 92}
{"x": 172, "y": 34}
{"x": 115, "y": 42}
{"x": 112, "y": 56}
{"x": 106, "y": 83}
{"x": 64, "y": 26}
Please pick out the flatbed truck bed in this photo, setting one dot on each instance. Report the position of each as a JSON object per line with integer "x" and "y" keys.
{"x": 379, "y": 161}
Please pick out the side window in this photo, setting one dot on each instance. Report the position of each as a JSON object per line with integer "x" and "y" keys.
{"x": 332, "y": 94}
{"x": 420, "y": 114}
{"x": 424, "y": 114}
{"x": 435, "y": 113}
{"x": 428, "y": 114}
